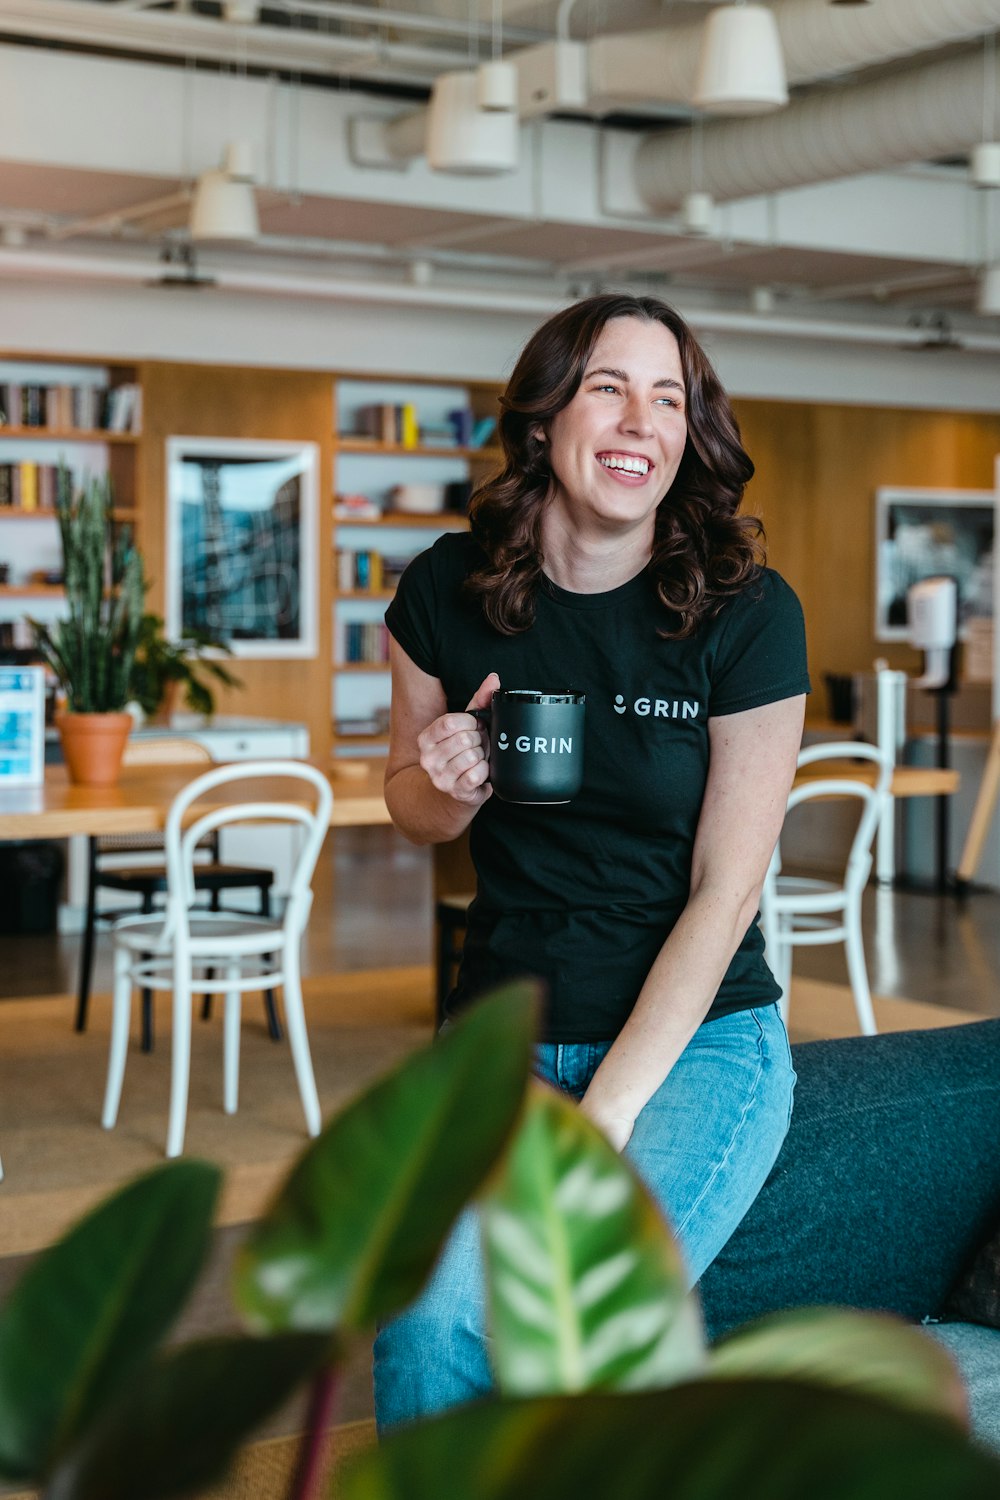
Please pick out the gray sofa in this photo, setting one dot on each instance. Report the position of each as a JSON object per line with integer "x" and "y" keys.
{"x": 887, "y": 1186}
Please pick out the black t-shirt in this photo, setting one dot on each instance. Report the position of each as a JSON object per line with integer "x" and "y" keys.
{"x": 585, "y": 894}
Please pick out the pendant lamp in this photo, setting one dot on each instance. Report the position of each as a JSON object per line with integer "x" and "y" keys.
{"x": 224, "y": 206}
{"x": 741, "y": 70}
{"x": 989, "y": 291}
{"x": 462, "y": 136}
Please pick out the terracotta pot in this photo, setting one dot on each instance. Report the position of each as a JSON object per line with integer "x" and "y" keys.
{"x": 93, "y": 745}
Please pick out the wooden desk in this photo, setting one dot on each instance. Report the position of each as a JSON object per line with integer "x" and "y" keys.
{"x": 142, "y": 797}
{"x": 907, "y": 781}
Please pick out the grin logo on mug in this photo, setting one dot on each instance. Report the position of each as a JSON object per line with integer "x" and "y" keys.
{"x": 545, "y": 732}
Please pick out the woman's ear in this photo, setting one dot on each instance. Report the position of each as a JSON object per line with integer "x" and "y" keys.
{"x": 538, "y": 433}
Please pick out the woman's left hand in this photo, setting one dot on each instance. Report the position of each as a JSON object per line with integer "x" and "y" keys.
{"x": 617, "y": 1128}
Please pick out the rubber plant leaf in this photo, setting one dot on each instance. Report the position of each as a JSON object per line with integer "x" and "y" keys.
{"x": 860, "y": 1351}
{"x": 354, "y": 1232}
{"x": 586, "y": 1287}
{"x": 179, "y": 1425}
{"x": 89, "y": 1310}
{"x": 708, "y": 1440}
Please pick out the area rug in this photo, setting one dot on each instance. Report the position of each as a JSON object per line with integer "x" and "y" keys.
{"x": 58, "y": 1161}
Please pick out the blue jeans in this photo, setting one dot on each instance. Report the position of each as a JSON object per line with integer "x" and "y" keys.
{"x": 703, "y": 1145}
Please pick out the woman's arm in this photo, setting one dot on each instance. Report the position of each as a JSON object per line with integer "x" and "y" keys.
{"x": 751, "y": 770}
{"x": 437, "y": 770}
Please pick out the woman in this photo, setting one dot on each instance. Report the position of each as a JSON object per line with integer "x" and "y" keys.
{"x": 608, "y": 557}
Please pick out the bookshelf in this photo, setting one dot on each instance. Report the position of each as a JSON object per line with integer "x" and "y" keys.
{"x": 85, "y": 414}
{"x": 407, "y": 453}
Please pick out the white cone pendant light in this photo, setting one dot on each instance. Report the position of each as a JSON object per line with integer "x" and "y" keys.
{"x": 741, "y": 70}
{"x": 461, "y": 136}
{"x": 224, "y": 206}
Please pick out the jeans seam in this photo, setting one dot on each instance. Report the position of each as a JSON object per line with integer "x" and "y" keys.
{"x": 751, "y": 1098}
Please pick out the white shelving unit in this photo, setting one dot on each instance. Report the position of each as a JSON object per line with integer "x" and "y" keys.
{"x": 373, "y": 467}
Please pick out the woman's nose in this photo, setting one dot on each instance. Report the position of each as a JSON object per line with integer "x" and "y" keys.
{"x": 635, "y": 416}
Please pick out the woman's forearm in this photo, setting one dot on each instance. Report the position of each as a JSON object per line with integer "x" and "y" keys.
{"x": 422, "y": 813}
{"x": 672, "y": 1003}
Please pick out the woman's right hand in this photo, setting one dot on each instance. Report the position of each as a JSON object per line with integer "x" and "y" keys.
{"x": 454, "y": 750}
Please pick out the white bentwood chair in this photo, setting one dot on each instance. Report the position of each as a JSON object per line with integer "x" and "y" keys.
{"x": 802, "y": 912}
{"x": 190, "y": 950}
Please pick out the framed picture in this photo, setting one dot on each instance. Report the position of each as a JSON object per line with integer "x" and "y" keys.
{"x": 920, "y": 533}
{"x": 241, "y": 543}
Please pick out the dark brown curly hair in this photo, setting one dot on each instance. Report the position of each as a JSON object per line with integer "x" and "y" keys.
{"x": 703, "y": 551}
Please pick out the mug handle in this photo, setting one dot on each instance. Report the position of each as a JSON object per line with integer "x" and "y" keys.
{"x": 482, "y": 715}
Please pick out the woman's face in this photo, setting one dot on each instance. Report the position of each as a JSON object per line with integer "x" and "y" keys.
{"x": 616, "y": 448}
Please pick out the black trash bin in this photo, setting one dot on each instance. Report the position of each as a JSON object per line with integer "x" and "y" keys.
{"x": 31, "y": 873}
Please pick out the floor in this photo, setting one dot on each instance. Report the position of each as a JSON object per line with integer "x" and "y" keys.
{"x": 377, "y": 890}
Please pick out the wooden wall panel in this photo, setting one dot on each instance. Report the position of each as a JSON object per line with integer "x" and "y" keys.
{"x": 219, "y": 401}
{"x": 818, "y": 468}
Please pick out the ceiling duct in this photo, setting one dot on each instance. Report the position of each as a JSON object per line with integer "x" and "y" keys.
{"x": 924, "y": 114}
{"x": 817, "y": 41}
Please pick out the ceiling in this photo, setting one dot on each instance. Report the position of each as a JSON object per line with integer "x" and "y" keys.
{"x": 853, "y": 202}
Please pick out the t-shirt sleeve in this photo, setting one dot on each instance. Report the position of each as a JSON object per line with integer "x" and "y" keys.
{"x": 761, "y": 656}
{"x": 412, "y": 614}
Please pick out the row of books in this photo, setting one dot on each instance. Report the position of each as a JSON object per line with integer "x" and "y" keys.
{"x": 367, "y": 572}
{"x": 64, "y": 408}
{"x": 28, "y": 486}
{"x": 362, "y": 641}
{"x": 400, "y": 426}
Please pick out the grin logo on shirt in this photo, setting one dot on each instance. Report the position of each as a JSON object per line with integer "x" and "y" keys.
{"x": 658, "y": 708}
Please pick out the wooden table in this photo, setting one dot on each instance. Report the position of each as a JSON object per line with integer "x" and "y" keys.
{"x": 907, "y": 781}
{"x": 140, "y": 801}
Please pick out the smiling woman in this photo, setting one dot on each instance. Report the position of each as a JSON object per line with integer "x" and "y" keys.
{"x": 609, "y": 554}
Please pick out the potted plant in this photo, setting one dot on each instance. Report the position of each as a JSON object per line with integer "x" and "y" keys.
{"x": 606, "y": 1386}
{"x": 92, "y": 649}
{"x": 163, "y": 669}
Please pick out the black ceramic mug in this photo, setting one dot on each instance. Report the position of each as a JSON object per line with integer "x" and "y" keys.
{"x": 536, "y": 744}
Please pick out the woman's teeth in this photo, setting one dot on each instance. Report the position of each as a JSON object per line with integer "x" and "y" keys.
{"x": 630, "y": 465}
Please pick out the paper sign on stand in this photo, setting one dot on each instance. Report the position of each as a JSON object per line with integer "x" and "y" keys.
{"x": 22, "y": 726}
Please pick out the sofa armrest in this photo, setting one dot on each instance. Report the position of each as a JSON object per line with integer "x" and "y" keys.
{"x": 886, "y": 1184}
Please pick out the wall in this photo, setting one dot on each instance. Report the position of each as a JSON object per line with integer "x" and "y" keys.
{"x": 818, "y": 467}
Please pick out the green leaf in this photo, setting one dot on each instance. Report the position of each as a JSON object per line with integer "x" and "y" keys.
{"x": 586, "y": 1286}
{"x": 182, "y": 1422}
{"x": 89, "y": 1310}
{"x": 753, "y": 1440}
{"x": 355, "y": 1231}
{"x": 863, "y": 1352}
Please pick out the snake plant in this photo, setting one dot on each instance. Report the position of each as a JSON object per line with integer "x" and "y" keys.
{"x": 92, "y": 649}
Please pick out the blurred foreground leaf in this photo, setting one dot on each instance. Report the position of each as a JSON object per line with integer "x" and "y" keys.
{"x": 713, "y": 1440}
{"x": 89, "y": 1311}
{"x": 586, "y": 1285}
{"x": 182, "y": 1422}
{"x": 355, "y": 1231}
{"x": 863, "y": 1352}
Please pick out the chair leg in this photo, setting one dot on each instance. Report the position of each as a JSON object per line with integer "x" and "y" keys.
{"x": 857, "y": 969}
{"x": 206, "y": 1000}
{"x": 274, "y": 1030}
{"x": 121, "y": 1007}
{"x": 180, "y": 1068}
{"x": 299, "y": 1041}
{"x": 87, "y": 946}
{"x": 147, "y": 994}
{"x": 231, "y": 1044}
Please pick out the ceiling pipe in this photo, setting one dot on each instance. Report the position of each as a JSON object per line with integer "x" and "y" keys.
{"x": 926, "y": 113}
{"x": 86, "y": 23}
{"x": 817, "y": 41}
{"x": 34, "y": 265}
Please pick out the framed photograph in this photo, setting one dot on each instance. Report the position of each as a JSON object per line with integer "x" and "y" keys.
{"x": 920, "y": 533}
{"x": 242, "y": 544}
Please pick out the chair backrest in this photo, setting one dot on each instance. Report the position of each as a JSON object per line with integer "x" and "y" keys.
{"x": 165, "y": 750}
{"x": 181, "y": 840}
{"x": 873, "y": 797}
{"x": 158, "y": 750}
